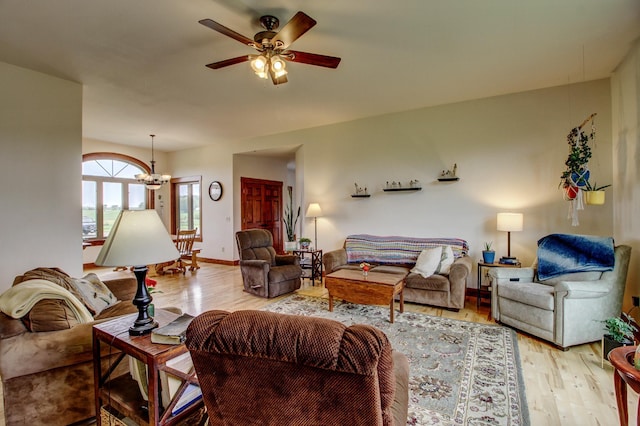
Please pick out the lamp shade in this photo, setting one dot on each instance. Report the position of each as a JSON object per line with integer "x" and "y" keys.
{"x": 510, "y": 222}
{"x": 138, "y": 237}
{"x": 314, "y": 210}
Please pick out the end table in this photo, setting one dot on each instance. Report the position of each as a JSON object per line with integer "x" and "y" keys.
{"x": 315, "y": 267}
{"x": 482, "y": 264}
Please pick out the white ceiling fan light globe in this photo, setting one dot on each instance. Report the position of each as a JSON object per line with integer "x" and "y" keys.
{"x": 278, "y": 66}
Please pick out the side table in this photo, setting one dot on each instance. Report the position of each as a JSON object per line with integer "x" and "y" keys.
{"x": 482, "y": 264}
{"x": 121, "y": 393}
{"x": 315, "y": 267}
{"x": 622, "y": 360}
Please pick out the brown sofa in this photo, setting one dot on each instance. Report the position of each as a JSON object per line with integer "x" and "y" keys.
{"x": 265, "y": 368}
{"x": 47, "y": 376}
{"x": 399, "y": 254}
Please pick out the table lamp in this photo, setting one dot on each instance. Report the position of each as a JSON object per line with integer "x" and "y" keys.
{"x": 510, "y": 222}
{"x": 138, "y": 238}
{"x": 314, "y": 211}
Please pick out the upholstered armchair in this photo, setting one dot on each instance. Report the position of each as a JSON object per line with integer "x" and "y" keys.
{"x": 265, "y": 273}
{"x": 265, "y": 368}
{"x": 565, "y": 310}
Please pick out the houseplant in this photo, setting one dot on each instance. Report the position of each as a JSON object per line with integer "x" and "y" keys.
{"x": 595, "y": 194}
{"x": 290, "y": 222}
{"x": 488, "y": 255}
{"x": 304, "y": 243}
{"x": 576, "y": 174}
{"x": 619, "y": 332}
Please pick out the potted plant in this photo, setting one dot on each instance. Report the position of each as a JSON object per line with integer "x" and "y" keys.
{"x": 576, "y": 174}
{"x": 304, "y": 243}
{"x": 290, "y": 222}
{"x": 619, "y": 332}
{"x": 488, "y": 255}
{"x": 594, "y": 194}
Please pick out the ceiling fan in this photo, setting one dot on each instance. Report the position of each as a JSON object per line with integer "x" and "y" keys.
{"x": 273, "y": 47}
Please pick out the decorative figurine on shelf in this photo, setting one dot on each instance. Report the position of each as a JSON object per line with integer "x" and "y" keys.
{"x": 449, "y": 174}
{"x": 360, "y": 191}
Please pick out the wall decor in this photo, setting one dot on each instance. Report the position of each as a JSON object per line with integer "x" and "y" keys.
{"x": 215, "y": 190}
{"x": 413, "y": 185}
{"x": 360, "y": 192}
{"x": 449, "y": 175}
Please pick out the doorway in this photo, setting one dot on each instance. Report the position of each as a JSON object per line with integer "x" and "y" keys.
{"x": 261, "y": 207}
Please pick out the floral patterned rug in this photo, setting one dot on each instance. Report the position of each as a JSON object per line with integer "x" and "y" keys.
{"x": 461, "y": 373}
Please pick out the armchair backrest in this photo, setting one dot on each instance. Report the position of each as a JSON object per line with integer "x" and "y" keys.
{"x": 256, "y": 244}
{"x": 258, "y": 367}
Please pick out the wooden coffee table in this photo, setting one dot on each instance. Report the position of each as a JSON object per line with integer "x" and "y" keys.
{"x": 377, "y": 288}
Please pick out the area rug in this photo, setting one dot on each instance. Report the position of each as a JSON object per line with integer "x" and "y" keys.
{"x": 461, "y": 373}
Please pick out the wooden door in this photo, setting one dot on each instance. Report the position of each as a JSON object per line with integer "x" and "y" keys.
{"x": 261, "y": 207}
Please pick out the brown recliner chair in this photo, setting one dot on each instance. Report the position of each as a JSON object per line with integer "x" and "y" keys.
{"x": 265, "y": 273}
{"x": 265, "y": 368}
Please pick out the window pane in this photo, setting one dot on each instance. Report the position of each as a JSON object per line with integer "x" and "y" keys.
{"x": 89, "y": 213}
{"x": 195, "y": 191}
{"x": 110, "y": 168}
{"x": 137, "y": 197}
{"x": 112, "y": 201}
{"x": 183, "y": 206}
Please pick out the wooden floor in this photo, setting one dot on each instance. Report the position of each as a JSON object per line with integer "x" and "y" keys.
{"x": 563, "y": 388}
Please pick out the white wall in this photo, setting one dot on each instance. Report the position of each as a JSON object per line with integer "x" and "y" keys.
{"x": 625, "y": 97}
{"x": 510, "y": 151}
{"x": 40, "y": 171}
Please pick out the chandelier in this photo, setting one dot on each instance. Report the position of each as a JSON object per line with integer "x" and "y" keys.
{"x": 154, "y": 180}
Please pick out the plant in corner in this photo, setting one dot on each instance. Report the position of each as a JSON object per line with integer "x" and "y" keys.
{"x": 290, "y": 221}
{"x": 619, "y": 332}
{"x": 488, "y": 255}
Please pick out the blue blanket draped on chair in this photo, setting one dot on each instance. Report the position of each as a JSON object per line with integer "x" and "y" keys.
{"x": 560, "y": 254}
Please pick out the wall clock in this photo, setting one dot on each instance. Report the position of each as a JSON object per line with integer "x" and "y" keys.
{"x": 215, "y": 190}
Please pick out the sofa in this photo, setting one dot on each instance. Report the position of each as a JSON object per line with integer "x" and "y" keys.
{"x": 395, "y": 254}
{"x": 567, "y": 309}
{"x": 47, "y": 376}
{"x": 266, "y": 368}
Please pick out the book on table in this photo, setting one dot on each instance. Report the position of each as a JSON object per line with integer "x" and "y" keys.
{"x": 173, "y": 333}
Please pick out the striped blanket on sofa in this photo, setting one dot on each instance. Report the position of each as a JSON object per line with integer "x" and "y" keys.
{"x": 396, "y": 250}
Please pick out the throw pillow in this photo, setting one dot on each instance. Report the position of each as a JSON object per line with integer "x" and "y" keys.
{"x": 428, "y": 261}
{"x": 445, "y": 261}
{"x": 95, "y": 294}
{"x": 50, "y": 315}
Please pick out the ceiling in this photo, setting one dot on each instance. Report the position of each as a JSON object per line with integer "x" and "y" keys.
{"x": 142, "y": 62}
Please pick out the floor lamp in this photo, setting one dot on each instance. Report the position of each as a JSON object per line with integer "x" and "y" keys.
{"x": 314, "y": 211}
{"x": 510, "y": 222}
{"x": 138, "y": 238}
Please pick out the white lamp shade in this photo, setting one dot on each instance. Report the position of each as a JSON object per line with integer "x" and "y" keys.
{"x": 138, "y": 237}
{"x": 314, "y": 210}
{"x": 510, "y": 222}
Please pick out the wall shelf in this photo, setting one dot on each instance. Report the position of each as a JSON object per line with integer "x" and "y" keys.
{"x": 417, "y": 188}
{"x": 360, "y": 195}
{"x": 448, "y": 179}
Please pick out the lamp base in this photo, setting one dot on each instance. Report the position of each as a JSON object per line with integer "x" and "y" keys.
{"x": 144, "y": 323}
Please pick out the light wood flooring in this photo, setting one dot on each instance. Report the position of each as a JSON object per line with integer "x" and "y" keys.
{"x": 563, "y": 388}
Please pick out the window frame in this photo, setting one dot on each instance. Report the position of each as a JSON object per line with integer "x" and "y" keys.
{"x": 92, "y": 156}
{"x": 174, "y": 202}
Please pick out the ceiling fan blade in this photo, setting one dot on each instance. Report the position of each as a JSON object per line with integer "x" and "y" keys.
{"x": 227, "y": 62}
{"x": 313, "y": 59}
{"x": 226, "y": 31}
{"x": 298, "y": 25}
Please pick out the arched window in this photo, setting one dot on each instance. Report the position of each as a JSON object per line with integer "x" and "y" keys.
{"x": 109, "y": 186}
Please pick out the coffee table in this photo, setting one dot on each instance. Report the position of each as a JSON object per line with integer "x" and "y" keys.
{"x": 377, "y": 288}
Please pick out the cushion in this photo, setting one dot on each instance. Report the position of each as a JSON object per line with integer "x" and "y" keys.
{"x": 94, "y": 293}
{"x": 446, "y": 260}
{"x": 50, "y": 315}
{"x": 428, "y": 261}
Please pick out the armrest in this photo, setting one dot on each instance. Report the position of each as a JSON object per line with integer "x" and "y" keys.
{"x": 332, "y": 259}
{"x": 287, "y": 259}
{"x": 460, "y": 268}
{"x": 524, "y": 275}
{"x": 122, "y": 288}
{"x": 255, "y": 264}
{"x": 583, "y": 289}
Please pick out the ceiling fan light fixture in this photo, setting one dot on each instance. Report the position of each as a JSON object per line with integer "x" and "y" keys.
{"x": 258, "y": 63}
{"x": 278, "y": 66}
